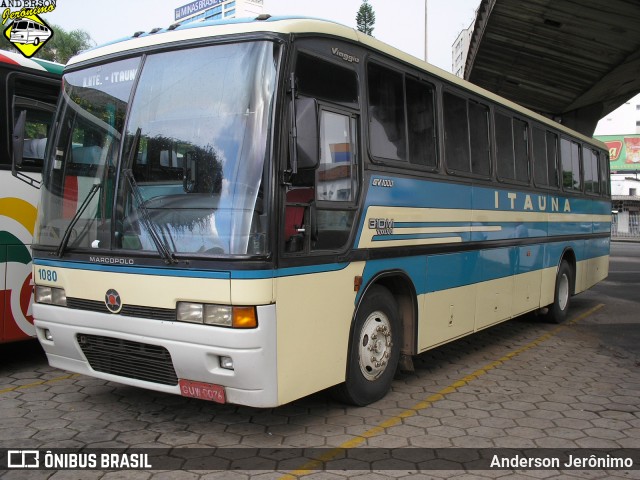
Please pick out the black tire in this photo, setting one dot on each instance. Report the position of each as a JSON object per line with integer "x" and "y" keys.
{"x": 369, "y": 378}
{"x": 559, "y": 309}
{"x": 36, "y": 42}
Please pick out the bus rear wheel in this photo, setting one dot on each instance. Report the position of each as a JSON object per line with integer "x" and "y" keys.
{"x": 559, "y": 310}
{"x": 374, "y": 351}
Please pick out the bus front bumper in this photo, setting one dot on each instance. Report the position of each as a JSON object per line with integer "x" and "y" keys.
{"x": 165, "y": 356}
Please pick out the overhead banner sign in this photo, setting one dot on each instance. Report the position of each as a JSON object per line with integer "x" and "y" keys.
{"x": 195, "y": 7}
{"x": 624, "y": 151}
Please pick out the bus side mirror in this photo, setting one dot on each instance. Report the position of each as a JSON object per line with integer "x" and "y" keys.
{"x": 18, "y": 142}
{"x": 307, "y": 144}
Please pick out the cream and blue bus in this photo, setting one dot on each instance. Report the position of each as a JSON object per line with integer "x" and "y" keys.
{"x": 32, "y": 86}
{"x": 253, "y": 211}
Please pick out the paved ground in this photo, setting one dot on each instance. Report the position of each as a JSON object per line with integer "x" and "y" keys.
{"x": 522, "y": 384}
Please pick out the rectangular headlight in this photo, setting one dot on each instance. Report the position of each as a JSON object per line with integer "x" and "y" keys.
{"x": 50, "y": 295}
{"x": 218, "y": 315}
{"x": 189, "y": 312}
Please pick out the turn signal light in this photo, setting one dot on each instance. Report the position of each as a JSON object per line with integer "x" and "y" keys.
{"x": 244, "y": 317}
{"x": 218, "y": 315}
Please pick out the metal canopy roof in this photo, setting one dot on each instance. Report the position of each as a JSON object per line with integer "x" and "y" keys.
{"x": 571, "y": 60}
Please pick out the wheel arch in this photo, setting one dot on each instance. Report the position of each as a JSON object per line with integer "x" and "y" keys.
{"x": 399, "y": 284}
{"x": 569, "y": 256}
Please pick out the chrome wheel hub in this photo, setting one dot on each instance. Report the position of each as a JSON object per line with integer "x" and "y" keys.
{"x": 563, "y": 292}
{"x": 375, "y": 345}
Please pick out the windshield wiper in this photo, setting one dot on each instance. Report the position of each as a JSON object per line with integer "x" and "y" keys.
{"x": 83, "y": 206}
{"x": 162, "y": 248}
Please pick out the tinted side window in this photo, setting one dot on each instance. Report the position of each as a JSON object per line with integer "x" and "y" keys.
{"x": 504, "y": 146}
{"x": 539, "y": 150}
{"x": 37, "y": 131}
{"x": 552, "y": 159}
{"x": 604, "y": 175}
{"x": 570, "y": 152}
{"x": 321, "y": 79}
{"x": 521, "y": 150}
{"x": 591, "y": 174}
{"x": 421, "y": 123}
{"x": 456, "y": 132}
{"x": 38, "y": 100}
{"x": 386, "y": 113}
{"x": 479, "y": 140}
{"x": 512, "y": 143}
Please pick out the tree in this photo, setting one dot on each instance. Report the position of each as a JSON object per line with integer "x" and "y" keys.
{"x": 64, "y": 45}
{"x": 366, "y": 18}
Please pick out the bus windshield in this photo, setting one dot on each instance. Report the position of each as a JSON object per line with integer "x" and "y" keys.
{"x": 163, "y": 154}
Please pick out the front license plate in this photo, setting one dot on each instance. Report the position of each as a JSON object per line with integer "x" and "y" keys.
{"x": 203, "y": 391}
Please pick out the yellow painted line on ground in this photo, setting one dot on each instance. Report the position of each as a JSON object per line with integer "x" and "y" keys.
{"x": 38, "y": 383}
{"x": 315, "y": 464}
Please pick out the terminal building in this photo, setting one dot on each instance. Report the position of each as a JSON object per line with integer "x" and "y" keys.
{"x": 460, "y": 49}
{"x": 204, "y": 10}
{"x": 620, "y": 130}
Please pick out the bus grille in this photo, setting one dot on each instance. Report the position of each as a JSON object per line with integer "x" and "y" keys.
{"x": 168, "y": 314}
{"x": 125, "y": 358}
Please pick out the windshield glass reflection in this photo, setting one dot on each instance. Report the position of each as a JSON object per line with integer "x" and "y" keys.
{"x": 191, "y": 175}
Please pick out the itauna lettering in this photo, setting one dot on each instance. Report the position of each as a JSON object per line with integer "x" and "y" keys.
{"x": 534, "y": 203}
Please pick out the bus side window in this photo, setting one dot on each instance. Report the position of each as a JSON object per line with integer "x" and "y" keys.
{"x": 387, "y": 135}
{"x": 328, "y": 207}
{"x": 421, "y": 123}
{"x": 38, "y": 124}
{"x": 298, "y": 203}
{"x": 320, "y": 202}
{"x": 571, "y": 156}
{"x": 512, "y": 148}
{"x": 336, "y": 180}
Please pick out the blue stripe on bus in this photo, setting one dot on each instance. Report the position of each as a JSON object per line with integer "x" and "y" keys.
{"x": 420, "y": 236}
{"x": 177, "y": 272}
{"x": 418, "y": 193}
{"x": 440, "y": 272}
{"x": 506, "y": 230}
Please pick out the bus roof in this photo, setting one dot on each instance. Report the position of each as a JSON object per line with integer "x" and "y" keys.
{"x": 31, "y": 63}
{"x": 301, "y": 25}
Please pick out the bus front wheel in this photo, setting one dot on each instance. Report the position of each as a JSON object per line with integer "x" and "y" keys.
{"x": 374, "y": 351}
{"x": 558, "y": 311}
